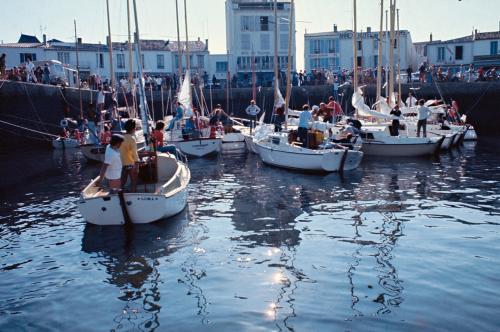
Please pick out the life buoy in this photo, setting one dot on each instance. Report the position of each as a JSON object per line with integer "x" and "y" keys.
{"x": 63, "y": 123}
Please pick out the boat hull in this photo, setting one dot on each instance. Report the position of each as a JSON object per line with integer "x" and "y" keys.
{"x": 400, "y": 150}
{"x": 93, "y": 152}
{"x": 200, "y": 147}
{"x": 320, "y": 161}
{"x": 233, "y": 143}
{"x": 448, "y": 141}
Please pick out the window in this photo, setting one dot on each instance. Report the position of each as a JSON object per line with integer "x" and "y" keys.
{"x": 120, "y": 61}
{"x": 315, "y": 46}
{"x": 459, "y": 52}
{"x": 200, "y": 58}
{"x": 247, "y": 23}
{"x": 264, "y": 41}
{"x": 160, "y": 61}
{"x": 375, "y": 60}
{"x": 333, "y": 46}
{"x": 360, "y": 61}
{"x": 26, "y": 56}
{"x": 375, "y": 44}
{"x": 395, "y": 43}
{"x": 221, "y": 66}
{"x": 494, "y": 47}
{"x": 264, "y": 23}
{"x": 100, "y": 60}
{"x": 63, "y": 57}
{"x": 143, "y": 62}
{"x": 440, "y": 54}
{"x": 360, "y": 45}
{"x": 284, "y": 25}
{"x": 284, "y": 41}
{"x": 333, "y": 62}
{"x": 245, "y": 42}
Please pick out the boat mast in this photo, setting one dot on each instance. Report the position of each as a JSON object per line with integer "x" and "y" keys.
{"x": 110, "y": 44}
{"x": 188, "y": 62}
{"x": 399, "y": 62}
{"x": 78, "y": 74}
{"x": 142, "y": 94}
{"x": 179, "y": 50}
{"x": 385, "y": 45}
{"x": 355, "y": 49}
{"x": 276, "y": 81}
{"x": 289, "y": 65}
{"x": 130, "y": 63}
{"x": 391, "y": 50}
{"x": 379, "y": 64}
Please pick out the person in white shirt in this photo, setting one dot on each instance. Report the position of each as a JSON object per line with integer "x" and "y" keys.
{"x": 111, "y": 169}
{"x": 100, "y": 99}
{"x": 304, "y": 119}
{"x": 423, "y": 113}
{"x": 30, "y": 67}
{"x": 252, "y": 111}
{"x": 411, "y": 101}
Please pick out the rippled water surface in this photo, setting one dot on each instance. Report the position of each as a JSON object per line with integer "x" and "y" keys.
{"x": 408, "y": 245}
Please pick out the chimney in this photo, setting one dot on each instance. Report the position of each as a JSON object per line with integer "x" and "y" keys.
{"x": 206, "y": 44}
{"x": 79, "y": 40}
{"x": 44, "y": 39}
{"x": 430, "y": 38}
{"x": 368, "y": 30}
{"x": 335, "y": 28}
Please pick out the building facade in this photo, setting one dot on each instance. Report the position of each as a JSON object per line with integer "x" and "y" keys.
{"x": 481, "y": 49}
{"x": 250, "y": 28}
{"x": 333, "y": 50}
{"x": 159, "y": 57}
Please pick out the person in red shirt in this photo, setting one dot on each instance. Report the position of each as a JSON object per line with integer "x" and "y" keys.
{"x": 106, "y": 135}
{"x": 336, "y": 109}
{"x": 158, "y": 134}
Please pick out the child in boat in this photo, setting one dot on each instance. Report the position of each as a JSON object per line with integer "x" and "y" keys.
{"x": 106, "y": 135}
{"x": 111, "y": 169}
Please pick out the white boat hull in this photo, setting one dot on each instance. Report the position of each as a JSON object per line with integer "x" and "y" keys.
{"x": 448, "y": 141}
{"x": 249, "y": 143}
{"x": 314, "y": 160}
{"x": 94, "y": 152}
{"x": 200, "y": 147}
{"x": 162, "y": 199}
{"x": 65, "y": 143}
{"x": 384, "y": 149}
{"x": 233, "y": 143}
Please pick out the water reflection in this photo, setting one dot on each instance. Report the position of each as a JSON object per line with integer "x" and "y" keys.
{"x": 131, "y": 257}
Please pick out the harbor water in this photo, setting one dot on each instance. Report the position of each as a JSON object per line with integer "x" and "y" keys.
{"x": 396, "y": 245}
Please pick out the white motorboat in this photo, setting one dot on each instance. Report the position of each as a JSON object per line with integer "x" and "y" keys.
{"x": 62, "y": 143}
{"x": 277, "y": 151}
{"x": 164, "y": 197}
{"x": 198, "y": 146}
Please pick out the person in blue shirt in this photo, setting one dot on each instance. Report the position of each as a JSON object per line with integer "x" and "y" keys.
{"x": 304, "y": 119}
{"x": 179, "y": 113}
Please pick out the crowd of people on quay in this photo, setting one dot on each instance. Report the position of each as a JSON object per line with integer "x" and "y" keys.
{"x": 427, "y": 73}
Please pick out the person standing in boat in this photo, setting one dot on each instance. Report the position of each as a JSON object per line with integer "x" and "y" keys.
{"x": 304, "y": 119}
{"x": 252, "y": 111}
{"x": 335, "y": 108}
{"x": 2, "y": 65}
{"x": 129, "y": 155}
{"x": 411, "y": 101}
{"x": 396, "y": 113}
{"x": 111, "y": 169}
{"x": 423, "y": 113}
{"x": 279, "y": 119}
{"x": 100, "y": 100}
{"x": 179, "y": 114}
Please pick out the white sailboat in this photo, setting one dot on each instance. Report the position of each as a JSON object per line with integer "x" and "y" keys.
{"x": 162, "y": 190}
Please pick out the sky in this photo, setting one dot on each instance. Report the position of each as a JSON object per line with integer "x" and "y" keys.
{"x": 445, "y": 19}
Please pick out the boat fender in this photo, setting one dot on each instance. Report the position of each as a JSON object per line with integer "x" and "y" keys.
{"x": 63, "y": 123}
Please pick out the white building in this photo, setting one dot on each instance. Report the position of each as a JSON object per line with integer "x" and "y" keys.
{"x": 250, "y": 30}
{"x": 333, "y": 50}
{"x": 159, "y": 57}
{"x": 480, "y": 49}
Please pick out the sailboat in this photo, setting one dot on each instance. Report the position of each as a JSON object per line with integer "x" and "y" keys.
{"x": 279, "y": 149}
{"x": 201, "y": 144}
{"x": 377, "y": 140}
{"x": 163, "y": 179}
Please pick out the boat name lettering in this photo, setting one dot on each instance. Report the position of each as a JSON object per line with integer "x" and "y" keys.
{"x": 147, "y": 198}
